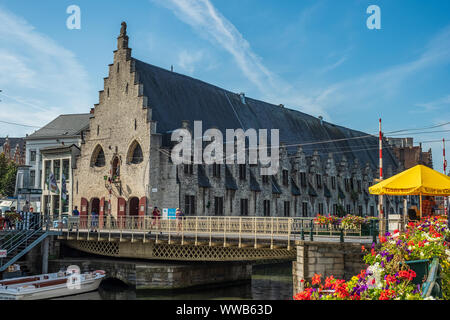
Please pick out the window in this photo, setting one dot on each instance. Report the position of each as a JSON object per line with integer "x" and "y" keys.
{"x": 137, "y": 156}
{"x": 218, "y": 206}
{"x": 266, "y": 208}
{"x": 126, "y": 91}
{"x": 135, "y": 122}
{"x": 359, "y": 185}
{"x": 305, "y": 209}
{"x": 56, "y": 204}
{"x": 57, "y": 169}
{"x": 244, "y": 207}
{"x": 333, "y": 183}
{"x": 321, "y": 208}
{"x": 46, "y": 204}
{"x": 98, "y": 130}
{"x": 352, "y": 187}
{"x": 47, "y": 170}
{"x": 242, "y": 172}
{"x": 116, "y": 167}
{"x": 98, "y": 157}
{"x": 32, "y": 156}
{"x": 65, "y": 208}
{"x": 189, "y": 168}
{"x": 303, "y": 179}
{"x": 265, "y": 179}
{"x": 360, "y": 211}
{"x": 189, "y": 205}
{"x": 349, "y": 209}
{"x": 286, "y": 177}
{"x": 372, "y": 211}
{"x": 216, "y": 170}
{"x": 319, "y": 181}
{"x": 40, "y": 177}
{"x": 66, "y": 169}
{"x": 32, "y": 178}
{"x": 347, "y": 184}
{"x": 287, "y": 209}
{"x": 335, "y": 206}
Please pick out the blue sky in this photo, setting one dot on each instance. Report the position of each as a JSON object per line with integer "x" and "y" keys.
{"x": 316, "y": 56}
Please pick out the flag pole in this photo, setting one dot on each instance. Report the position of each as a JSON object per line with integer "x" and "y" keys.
{"x": 380, "y": 197}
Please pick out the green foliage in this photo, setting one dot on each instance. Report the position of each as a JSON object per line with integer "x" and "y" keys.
{"x": 8, "y": 171}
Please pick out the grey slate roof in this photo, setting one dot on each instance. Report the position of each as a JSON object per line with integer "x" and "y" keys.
{"x": 203, "y": 180}
{"x": 64, "y": 125}
{"x": 254, "y": 185}
{"x": 230, "y": 183}
{"x": 175, "y": 97}
{"x": 294, "y": 188}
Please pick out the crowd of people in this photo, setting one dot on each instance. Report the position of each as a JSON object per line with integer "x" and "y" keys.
{"x": 19, "y": 220}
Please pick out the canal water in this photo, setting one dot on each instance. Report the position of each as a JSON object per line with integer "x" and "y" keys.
{"x": 269, "y": 282}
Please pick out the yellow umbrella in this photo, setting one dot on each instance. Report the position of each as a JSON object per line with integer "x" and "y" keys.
{"x": 419, "y": 180}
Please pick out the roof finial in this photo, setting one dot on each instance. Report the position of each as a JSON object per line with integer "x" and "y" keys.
{"x": 123, "y": 29}
{"x": 123, "y": 38}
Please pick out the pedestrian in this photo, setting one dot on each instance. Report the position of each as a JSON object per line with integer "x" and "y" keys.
{"x": 75, "y": 216}
{"x": 179, "y": 217}
{"x": 155, "y": 217}
{"x": 94, "y": 221}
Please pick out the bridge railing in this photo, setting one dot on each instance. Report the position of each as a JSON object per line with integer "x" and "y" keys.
{"x": 262, "y": 227}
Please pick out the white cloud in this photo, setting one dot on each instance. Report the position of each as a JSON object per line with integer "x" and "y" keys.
{"x": 209, "y": 23}
{"x": 40, "y": 79}
{"x": 187, "y": 60}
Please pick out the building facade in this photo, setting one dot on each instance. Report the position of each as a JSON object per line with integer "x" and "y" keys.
{"x": 125, "y": 167}
{"x": 61, "y": 162}
{"x": 65, "y": 130}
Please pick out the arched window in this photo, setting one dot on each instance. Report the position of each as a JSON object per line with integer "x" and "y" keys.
{"x": 98, "y": 157}
{"x": 135, "y": 155}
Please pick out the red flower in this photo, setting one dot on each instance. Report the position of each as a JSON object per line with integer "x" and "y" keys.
{"x": 329, "y": 281}
{"x": 383, "y": 239}
{"x": 363, "y": 248}
{"x": 373, "y": 252}
{"x": 316, "y": 279}
{"x": 387, "y": 294}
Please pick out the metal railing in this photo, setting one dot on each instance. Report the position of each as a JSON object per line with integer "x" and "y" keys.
{"x": 272, "y": 228}
{"x": 18, "y": 241}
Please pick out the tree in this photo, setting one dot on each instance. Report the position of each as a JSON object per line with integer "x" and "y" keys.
{"x": 8, "y": 171}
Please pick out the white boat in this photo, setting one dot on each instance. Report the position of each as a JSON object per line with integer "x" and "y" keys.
{"x": 51, "y": 285}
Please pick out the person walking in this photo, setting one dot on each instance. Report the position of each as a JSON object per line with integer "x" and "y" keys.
{"x": 179, "y": 217}
{"x": 156, "y": 214}
{"x": 75, "y": 217}
{"x": 94, "y": 221}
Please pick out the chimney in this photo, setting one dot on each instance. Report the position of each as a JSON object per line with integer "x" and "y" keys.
{"x": 242, "y": 96}
{"x": 321, "y": 120}
{"x": 92, "y": 111}
{"x": 281, "y": 105}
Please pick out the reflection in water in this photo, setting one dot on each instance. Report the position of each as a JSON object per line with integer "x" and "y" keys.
{"x": 269, "y": 282}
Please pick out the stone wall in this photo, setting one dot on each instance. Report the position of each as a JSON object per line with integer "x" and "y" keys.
{"x": 341, "y": 260}
{"x": 156, "y": 276}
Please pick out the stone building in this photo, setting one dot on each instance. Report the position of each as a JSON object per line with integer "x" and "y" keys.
{"x": 125, "y": 156}
{"x": 14, "y": 149}
{"x": 409, "y": 155}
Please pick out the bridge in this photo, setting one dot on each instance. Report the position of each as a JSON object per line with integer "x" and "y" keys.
{"x": 201, "y": 238}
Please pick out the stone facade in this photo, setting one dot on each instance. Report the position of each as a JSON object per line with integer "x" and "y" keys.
{"x": 306, "y": 183}
{"x": 341, "y": 260}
